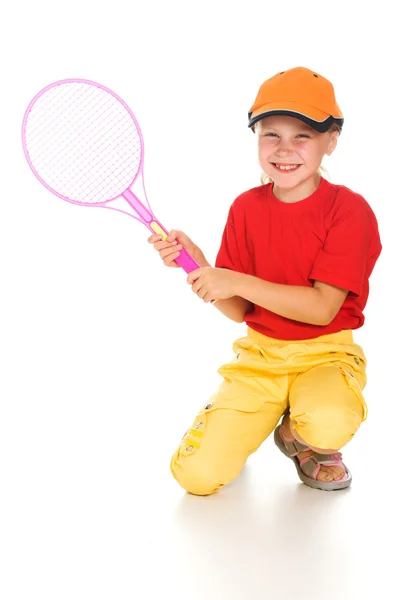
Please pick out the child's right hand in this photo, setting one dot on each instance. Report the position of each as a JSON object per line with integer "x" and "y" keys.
{"x": 169, "y": 250}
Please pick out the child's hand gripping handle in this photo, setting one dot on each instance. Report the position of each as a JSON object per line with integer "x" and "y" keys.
{"x": 184, "y": 259}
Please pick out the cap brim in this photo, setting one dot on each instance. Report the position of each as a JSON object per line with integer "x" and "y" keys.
{"x": 313, "y": 117}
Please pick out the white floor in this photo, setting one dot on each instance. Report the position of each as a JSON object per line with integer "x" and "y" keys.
{"x": 88, "y": 510}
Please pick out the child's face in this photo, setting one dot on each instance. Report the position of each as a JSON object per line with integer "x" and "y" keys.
{"x": 289, "y": 141}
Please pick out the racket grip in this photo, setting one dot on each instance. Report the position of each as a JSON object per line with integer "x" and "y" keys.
{"x": 185, "y": 261}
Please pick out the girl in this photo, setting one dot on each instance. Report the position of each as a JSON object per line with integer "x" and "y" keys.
{"x": 294, "y": 264}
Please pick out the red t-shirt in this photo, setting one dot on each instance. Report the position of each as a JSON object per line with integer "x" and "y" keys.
{"x": 331, "y": 236}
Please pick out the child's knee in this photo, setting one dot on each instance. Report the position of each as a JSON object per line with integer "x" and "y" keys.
{"x": 198, "y": 475}
{"x": 193, "y": 476}
{"x": 327, "y": 426}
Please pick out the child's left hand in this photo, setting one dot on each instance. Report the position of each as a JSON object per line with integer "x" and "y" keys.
{"x": 210, "y": 283}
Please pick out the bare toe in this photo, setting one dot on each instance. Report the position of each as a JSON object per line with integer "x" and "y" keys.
{"x": 324, "y": 474}
{"x": 340, "y": 474}
{"x": 330, "y": 473}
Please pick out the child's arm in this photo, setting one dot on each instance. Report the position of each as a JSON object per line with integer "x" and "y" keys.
{"x": 235, "y": 308}
{"x": 316, "y": 305}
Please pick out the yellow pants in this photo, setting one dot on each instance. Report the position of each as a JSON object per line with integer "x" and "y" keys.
{"x": 320, "y": 380}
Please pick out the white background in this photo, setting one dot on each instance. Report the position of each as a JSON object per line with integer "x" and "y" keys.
{"x": 106, "y": 355}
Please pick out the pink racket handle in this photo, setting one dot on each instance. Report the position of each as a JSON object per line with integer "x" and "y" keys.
{"x": 147, "y": 217}
{"x": 184, "y": 259}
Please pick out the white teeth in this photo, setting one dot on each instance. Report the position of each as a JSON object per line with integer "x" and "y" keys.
{"x": 286, "y": 167}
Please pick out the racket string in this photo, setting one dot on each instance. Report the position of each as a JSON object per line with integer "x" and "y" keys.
{"x": 120, "y": 175}
{"x": 97, "y": 179}
{"x": 89, "y": 149}
{"x": 60, "y": 111}
{"x": 103, "y": 165}
{"x": 63, "y": 137}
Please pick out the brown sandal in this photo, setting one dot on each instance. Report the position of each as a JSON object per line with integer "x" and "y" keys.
{"x": 309, "y": 467}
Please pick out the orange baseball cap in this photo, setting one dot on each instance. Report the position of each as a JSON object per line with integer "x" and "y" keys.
{"x": 298, "y": 93}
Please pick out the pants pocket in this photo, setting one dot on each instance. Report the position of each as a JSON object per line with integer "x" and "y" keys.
{"x": 192, "y": 440}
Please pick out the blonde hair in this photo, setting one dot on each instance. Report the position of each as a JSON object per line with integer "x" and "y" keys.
{"x": 267, "y": 179}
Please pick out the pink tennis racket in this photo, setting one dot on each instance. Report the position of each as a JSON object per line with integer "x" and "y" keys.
{"x": 84, "y": 144}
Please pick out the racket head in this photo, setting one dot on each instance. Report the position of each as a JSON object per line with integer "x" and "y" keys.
{"x": 122, "y": 179}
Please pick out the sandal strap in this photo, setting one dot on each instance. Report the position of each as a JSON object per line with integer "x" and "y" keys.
{"x": 292, "y": 447}
{"x": 311, "y": 465}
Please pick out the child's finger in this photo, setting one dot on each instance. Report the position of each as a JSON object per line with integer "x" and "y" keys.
{"x": 161, "y": 245}
{"x": 154, "y": 238}
{"x": 170, "y": 251}
{"x": 173, "y": 234}
{"x": 169, "y": 261}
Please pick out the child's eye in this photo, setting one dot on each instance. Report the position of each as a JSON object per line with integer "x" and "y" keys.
{"x": 299, "y": 135}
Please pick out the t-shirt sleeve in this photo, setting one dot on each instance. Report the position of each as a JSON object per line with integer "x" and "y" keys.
{"x": 343, "y": 258}
{"x": 228, "y": 256}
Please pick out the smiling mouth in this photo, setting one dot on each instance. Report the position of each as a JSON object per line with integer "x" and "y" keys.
{"x": 285, "y": 168}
